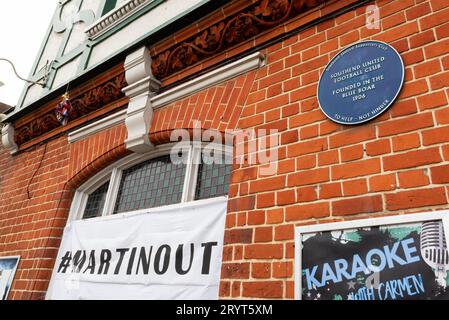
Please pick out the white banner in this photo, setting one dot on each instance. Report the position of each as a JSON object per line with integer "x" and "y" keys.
{"x": 168, "y": 253}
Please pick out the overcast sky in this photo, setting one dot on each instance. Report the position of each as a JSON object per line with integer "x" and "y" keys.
{"x": 23, "y": 24}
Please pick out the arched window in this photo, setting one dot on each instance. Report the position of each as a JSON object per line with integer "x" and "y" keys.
{"x": 138, "y": 182}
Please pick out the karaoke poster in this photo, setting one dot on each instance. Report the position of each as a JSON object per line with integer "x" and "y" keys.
{"x": 8, "y": 266}
{"x": 394, "y": 262}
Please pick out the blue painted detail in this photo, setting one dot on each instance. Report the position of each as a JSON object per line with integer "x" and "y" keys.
{"x": 361, "y": 82}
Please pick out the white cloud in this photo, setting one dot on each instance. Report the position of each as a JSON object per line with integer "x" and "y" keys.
{"x": 23, "y": 25}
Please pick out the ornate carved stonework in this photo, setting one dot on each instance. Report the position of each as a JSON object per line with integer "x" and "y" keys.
{"x": 82, "y": 104}
{"x": 262, "y": 16}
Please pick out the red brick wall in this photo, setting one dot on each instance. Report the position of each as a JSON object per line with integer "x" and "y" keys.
{"x": 329, "y": 172}
{"x": 34, "y": 202}
{"x": 395, "y": 164}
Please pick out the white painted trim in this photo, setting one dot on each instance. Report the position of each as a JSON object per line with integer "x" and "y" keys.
{"x": 142, "y": 88}
{"x": 189, "y": 175}
{"x": 100, "y": 125}
{"x": 8, "y": 138}
{"x": 212, "y": 78}
{"x": 442, "y": 215}
{"x": 13, "y": 273}
{"x": 82, "y": 194}
{"x": 137, "y": 158}
{"x": 190, "y": 186}
{"x": 77, "y": 207}
{"x": 111, "y": 196}
{"x": 114, "y": 17}
{"x": 373, "y": 222}
{"x": 142, "y": 85}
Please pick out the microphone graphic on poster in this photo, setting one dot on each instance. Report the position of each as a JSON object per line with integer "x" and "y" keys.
{"x": 434, "y": 250}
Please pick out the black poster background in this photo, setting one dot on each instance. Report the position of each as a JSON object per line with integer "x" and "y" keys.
{"x": 322, "y": 247}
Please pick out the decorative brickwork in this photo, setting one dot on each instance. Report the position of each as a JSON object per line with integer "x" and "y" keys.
{"x": 82, "y": 105}
{"x": 231, "y": 31}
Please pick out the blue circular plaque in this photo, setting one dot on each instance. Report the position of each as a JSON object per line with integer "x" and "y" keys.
{"x": 361, "y": 82}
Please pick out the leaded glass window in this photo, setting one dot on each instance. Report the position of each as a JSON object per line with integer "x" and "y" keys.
{"x": 143, "y": 182}
{"x": 153, "y": 183}
{"x": 213, "y": 177}
{"x": 95, "y": 202}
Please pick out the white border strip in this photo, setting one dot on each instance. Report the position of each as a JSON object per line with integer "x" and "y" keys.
{"x": 231, "y": 70}
{"x": 251, "y": 62}
{"x": 114, "y": 17}
{"x": 13, "y": 273}
{"x": 354, "y": 224}
{"x": 102, "y": 124}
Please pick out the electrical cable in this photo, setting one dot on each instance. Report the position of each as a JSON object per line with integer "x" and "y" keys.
{"x": 35, "y": 172}
{"x": 17, "y": 75}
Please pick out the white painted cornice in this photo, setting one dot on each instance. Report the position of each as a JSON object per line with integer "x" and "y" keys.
{"x": 100, "y": 125}
{"x": 142, "y": 91}
{"x": 8, "y": 138}
{"x": 210, "y": 79}
{"x": 142, "y": 86}
{"x": 113, "y": 18}
{"x": 143, "y": 99}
